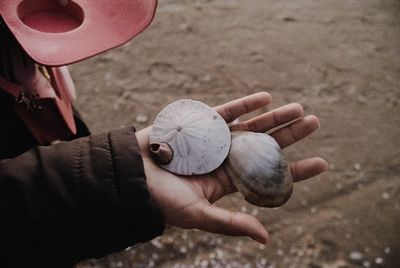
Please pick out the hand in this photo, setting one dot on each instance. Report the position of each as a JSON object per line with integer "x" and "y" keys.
{"x": 187, "y": 201}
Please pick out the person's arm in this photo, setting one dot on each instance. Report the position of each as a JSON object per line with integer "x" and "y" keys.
{"x": 89, "y": 197}
{"x": 73, "y": 201}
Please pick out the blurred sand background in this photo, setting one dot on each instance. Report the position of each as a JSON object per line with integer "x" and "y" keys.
{"x": 339, "y": 58}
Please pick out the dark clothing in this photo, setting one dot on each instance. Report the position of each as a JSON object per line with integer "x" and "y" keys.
{"x": 15, "y": 137}
{"x": 75, "y": 200}
{"x": 72, "y": 201}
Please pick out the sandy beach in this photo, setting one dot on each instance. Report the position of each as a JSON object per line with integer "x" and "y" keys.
{"x": 339, "y": 59}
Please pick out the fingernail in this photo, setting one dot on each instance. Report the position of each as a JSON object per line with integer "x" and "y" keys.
{"x": 261, "y": 240}
{"x": 314, "y": 118}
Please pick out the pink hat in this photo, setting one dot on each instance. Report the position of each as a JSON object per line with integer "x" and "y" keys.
{"x": 61, "y": 32}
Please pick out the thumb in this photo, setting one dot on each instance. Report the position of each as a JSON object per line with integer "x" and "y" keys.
{"x": 222, "y": 221}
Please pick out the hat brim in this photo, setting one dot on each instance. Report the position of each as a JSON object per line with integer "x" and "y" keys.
{"x": 57, "y": 33}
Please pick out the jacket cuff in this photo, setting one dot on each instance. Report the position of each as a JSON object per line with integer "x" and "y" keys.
{"x": 118, "y": 208}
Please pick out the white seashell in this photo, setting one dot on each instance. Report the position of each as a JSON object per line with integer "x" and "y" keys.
{"x": 189, "y": 138}
{"x": 256, "y": 167}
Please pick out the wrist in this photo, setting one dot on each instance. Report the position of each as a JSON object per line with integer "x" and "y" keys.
{"x": 142, "y": 137}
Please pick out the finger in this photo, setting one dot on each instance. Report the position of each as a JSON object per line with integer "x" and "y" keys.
{"x": 294, "y": 132}
{"x": 307, "y": 168}
{"x": 272, "y": 119}
{"x": 222, "y": 221}
{"x": 232, "y": 110}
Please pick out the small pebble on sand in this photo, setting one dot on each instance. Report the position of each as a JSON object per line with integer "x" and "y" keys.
{"x": 357, "y": 166}
{"x": 355, "y": 256}
{"x": 379, "y": 260}
{"x": 141, "y": 118}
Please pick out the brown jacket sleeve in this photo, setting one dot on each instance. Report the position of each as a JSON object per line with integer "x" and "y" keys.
{"x": 72, "y": 201}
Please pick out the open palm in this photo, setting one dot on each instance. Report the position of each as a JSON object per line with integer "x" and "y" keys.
{"x": 187, "y": 201}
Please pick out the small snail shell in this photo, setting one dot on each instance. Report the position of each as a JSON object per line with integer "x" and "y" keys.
{"x": 257, "y": 169}
{"x": 189, "y": 138}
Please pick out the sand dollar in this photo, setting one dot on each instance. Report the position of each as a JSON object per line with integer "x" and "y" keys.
{"x": 198, "y": 137}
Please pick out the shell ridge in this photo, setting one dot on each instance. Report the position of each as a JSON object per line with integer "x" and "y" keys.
{"x": 197, "y": 119}
{"x": 190, "y": 119}
{"x": 182, "y": 145}
{"x": 163, "y": 120}
{"x": 169, "y": 135}
{"x": 193, "y": 132}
